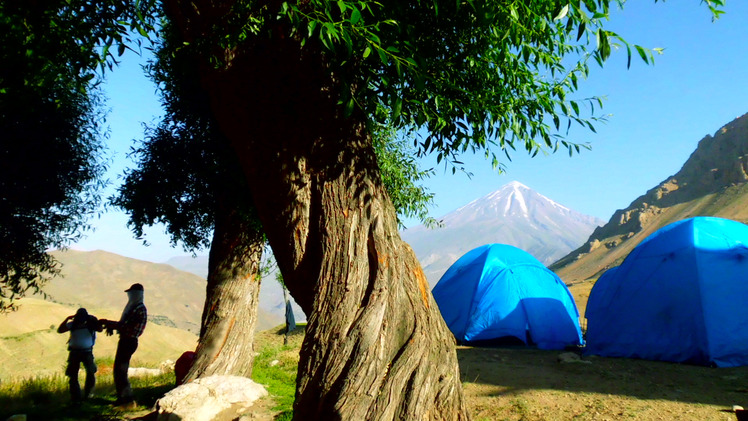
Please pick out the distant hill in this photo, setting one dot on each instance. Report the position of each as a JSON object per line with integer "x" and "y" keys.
{"x": 712, "y": 182}
{"x": 192, "y": 264}
{"x": 98, "y": 279}
{"x": 30, "y": 344}
{"x": 272, "y": 305}
{"x": 514, "y": 215}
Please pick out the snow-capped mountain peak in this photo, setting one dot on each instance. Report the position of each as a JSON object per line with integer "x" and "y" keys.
{"x": 514, "y": 199}
{"x": 514, "y": 214}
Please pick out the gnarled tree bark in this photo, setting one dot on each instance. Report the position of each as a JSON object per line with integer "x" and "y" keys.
{"x": 376, "y": 347}
{"x": 232, "y": 295}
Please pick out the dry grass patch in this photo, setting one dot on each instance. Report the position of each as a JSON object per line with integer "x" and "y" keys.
{"x": 527, "y": 384}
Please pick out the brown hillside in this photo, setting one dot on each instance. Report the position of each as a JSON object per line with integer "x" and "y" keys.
{"x": 98, "y": 279}
{"x": 712, "y": 182}
{"x": 30, "y": 345}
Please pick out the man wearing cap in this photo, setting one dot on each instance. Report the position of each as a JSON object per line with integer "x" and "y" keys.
{"x": 130, "y": 326}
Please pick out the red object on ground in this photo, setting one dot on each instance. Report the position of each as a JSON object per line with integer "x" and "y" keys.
{"x": 183, "y": 365}
{"x": 741, "y": 414}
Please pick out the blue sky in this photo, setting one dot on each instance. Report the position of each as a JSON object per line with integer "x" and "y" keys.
{"x": 657, "y": 116}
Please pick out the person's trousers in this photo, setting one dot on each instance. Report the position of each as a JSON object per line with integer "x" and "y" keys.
{"x": 75, "y": 359}
{"x": 125, "y": 348}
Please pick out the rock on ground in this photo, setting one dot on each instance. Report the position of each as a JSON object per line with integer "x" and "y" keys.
{"x": 213, "y": 398}
{"x": 163, "y": 368}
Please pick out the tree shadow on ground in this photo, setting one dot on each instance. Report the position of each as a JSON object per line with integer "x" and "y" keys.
{"x": 512, "y": 370}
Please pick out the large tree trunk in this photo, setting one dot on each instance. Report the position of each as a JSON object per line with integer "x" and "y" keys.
{"x": 231, "y": 302}
{"x": 376, "y": 347}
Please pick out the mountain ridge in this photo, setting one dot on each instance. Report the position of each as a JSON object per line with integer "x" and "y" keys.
{"x": 513, "y": 214}
{"x": 712, "y": 182}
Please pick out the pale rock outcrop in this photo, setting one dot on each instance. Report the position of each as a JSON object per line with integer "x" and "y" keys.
{"x": 213, "y": 398}
{"x": 166, "y": 366}
{"x": 142, "y": 372}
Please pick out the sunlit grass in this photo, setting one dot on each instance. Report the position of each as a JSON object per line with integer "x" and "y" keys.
{"x": 279, "y": 378}
{"x": 48, "y": 397}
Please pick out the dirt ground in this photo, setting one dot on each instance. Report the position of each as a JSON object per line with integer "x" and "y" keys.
{"x": 529, "y": 384}
{"x": 522, "y": 384}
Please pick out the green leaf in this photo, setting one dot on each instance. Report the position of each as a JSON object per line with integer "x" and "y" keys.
{"x": 355, "y": 16}
{"x": 603, "y": 44}
{"x": 382, "y": 55}
{"x": 562, "y": 13}
{"x": 591, "y": 6}
{"x": 569, "y": 25}
{"x": 513, "y": 12}
{"x": 397, "y": 108}
{"x": 580, "y": 31}
{"x": 348, "y": 110}
{"x": 628, "y": 59}
{"x": 367, "y": 51}
{"x": 311, "y": 26}
{"x": 642, "y": 53}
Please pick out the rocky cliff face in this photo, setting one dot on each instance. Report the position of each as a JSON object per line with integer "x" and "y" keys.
{"x": 712, "y": 182}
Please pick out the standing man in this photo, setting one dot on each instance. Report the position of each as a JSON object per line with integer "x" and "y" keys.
{"x": 130, "y": 326}
{"x": 82, "y": 328}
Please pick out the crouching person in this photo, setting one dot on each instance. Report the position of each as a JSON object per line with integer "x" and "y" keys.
{"x": 82, "y": 328}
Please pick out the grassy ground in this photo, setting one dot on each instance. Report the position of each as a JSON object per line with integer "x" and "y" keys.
{"x": 520, "y": 384}
{"x": 275, "y": 368}
{"x": 512, "y": 384}
{"x": 47, "y": 398}
{"x": 31, "y": 346}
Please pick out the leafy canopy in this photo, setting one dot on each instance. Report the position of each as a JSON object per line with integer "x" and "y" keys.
{"x": 52, "y": 125}
{"x": 186, "y": 173}
{"x": 472, "y": 74}
{"x": 485, "y": 76}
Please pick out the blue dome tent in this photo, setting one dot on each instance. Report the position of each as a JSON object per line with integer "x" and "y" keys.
{"x": 681, "y": 295}
{"x": 498, "y": 291}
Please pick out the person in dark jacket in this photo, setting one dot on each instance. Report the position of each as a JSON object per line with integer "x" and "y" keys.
{"x": 82, "y": 328}
{"x": 130, "y": 326}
